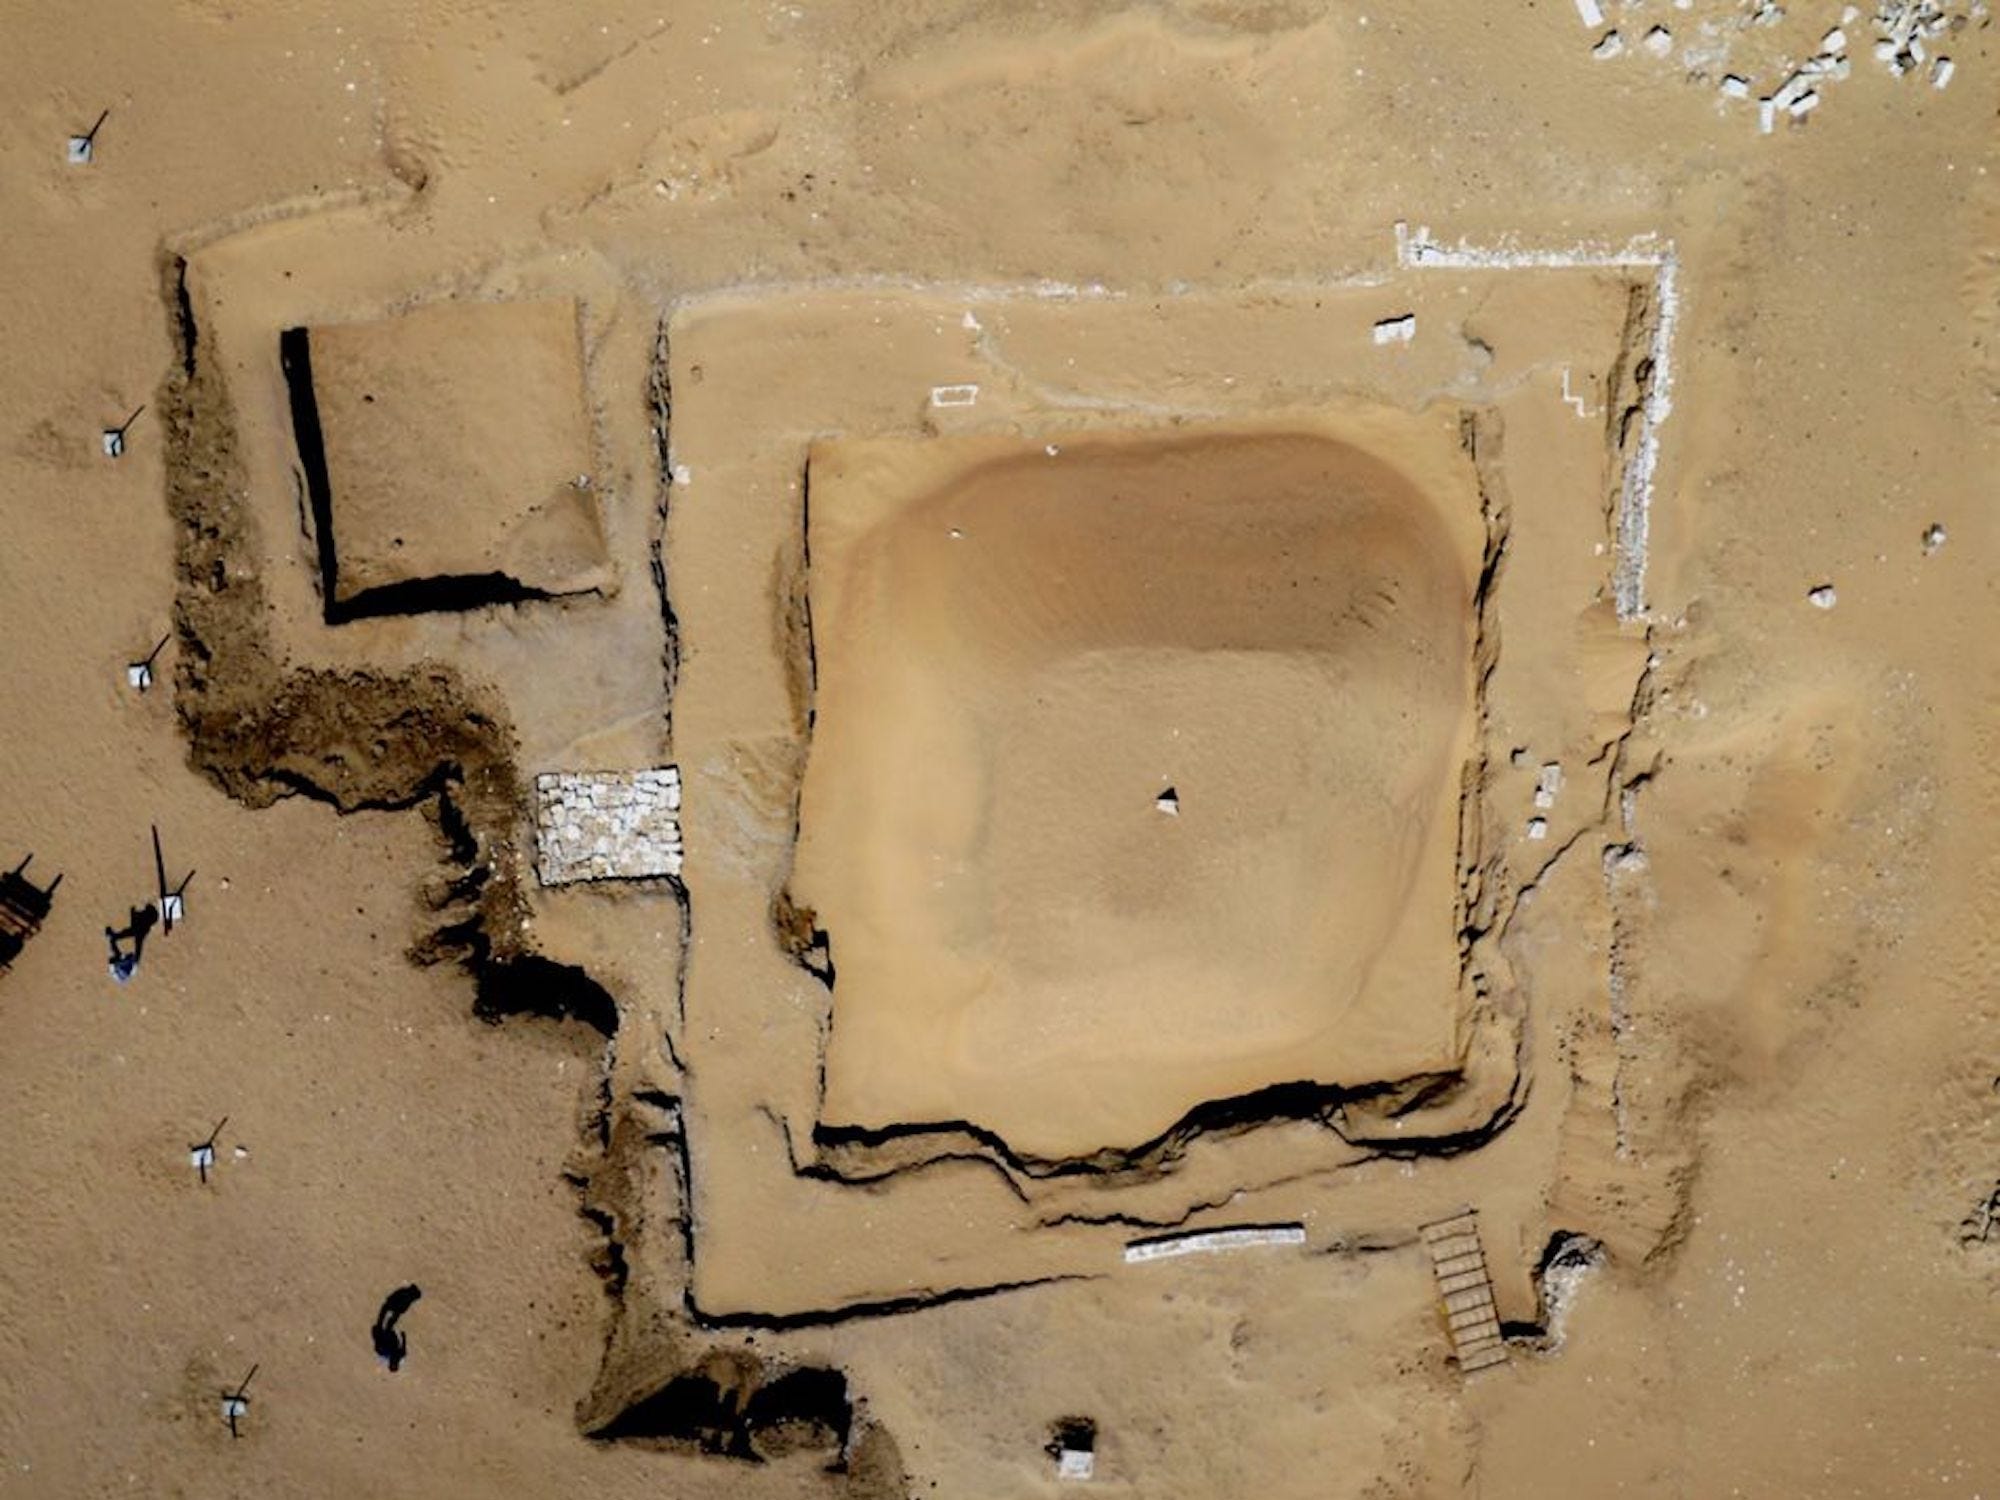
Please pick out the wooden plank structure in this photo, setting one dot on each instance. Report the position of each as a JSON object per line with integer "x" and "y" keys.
{"x": 1465, "y": 1289}
{"x": 23, "y": 905}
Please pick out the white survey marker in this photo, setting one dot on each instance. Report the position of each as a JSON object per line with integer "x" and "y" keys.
{"x": 1076, "y": 1463}
{"x": 1209, "y": 1242}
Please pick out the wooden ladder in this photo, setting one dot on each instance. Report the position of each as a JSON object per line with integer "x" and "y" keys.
{"x": 1466, "y": 1290}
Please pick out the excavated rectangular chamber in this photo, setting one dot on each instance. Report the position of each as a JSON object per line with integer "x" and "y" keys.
{"x": 1019, "y": 648}
{"x": 448, "y": 455}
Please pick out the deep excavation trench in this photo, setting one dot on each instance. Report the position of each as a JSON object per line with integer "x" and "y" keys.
{"x": 1434, "y": 1114}
{"x": 262, "y": 729}
{"x": 425, "y": 739}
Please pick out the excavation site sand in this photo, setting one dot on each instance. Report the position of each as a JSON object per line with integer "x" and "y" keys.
{"x": 1014, "y": 665}
{"x": 1178, "y": 750}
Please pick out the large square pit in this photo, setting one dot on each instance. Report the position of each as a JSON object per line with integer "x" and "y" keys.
{"x": 1020, "y": 648}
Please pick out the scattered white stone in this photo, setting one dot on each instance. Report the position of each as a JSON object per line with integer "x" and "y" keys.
{"x": 1573, "y": 1264}
{"x": 1397, "y": 330}
{"x": 1933, "y": 537}
{"x": 1052, "y": 450}
{"x": 1590, "y": 13}
{"x": 683, "y": 476}
{"x": 1901, "y": 27}
{"x": 1608, "y": 46}
{"x": 1823, "y": 596}
{"x": 607, "y": 825}
{"x": 1941, "y": 72}
{"x": 1833, "y": 43}
{"x": 969, "y": 323}
{"x": 1211, "y": 1241}
{"x": 1548, "y": 782}
{"x": 1735, "y": 87}
{"x": 1627, "y": 859}
{"x": 1659, "y": 41}
{"x": 954, "y": 395}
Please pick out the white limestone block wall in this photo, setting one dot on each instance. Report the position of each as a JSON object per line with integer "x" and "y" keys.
{"x": 607, "y": 825}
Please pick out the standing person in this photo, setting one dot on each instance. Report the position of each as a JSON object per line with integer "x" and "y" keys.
{"x": 141, "y": 920}
{"x": 392, "y": 1345}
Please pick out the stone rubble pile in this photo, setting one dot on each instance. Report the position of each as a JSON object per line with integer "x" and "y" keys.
{"x": 1902, "y": 27}
{"x": 1907, "y": 33}
{"x": 607, "y": 825}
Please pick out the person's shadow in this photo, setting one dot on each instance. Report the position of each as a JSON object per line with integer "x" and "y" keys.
{"x": 143, "y": 919}
{"x": 392, "y": 1345}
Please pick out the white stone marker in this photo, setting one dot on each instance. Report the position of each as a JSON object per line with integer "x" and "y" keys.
{"x": 1397, "y": 330}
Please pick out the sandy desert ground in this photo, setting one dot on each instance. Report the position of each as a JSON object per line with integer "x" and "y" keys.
{"x": 1330, "y": 685}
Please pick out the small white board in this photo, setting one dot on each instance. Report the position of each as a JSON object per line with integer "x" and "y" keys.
{"x": 1211, "y": 1241}
{"x": 1076, "y": 1463}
